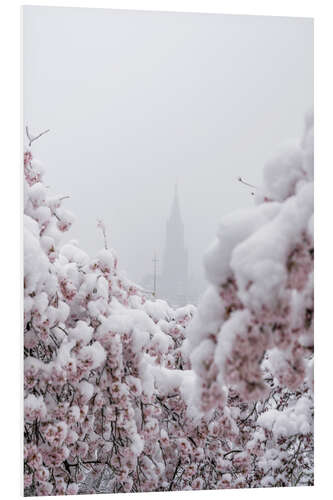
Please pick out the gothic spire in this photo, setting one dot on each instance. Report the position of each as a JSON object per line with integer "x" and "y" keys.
{"x": 175, "y": 263}
{"x": 175, "y": 210}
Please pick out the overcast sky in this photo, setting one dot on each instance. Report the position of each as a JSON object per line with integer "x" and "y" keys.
{"x": 137, "y": 101}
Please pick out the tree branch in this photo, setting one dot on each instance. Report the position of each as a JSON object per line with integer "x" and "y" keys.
{"x": 31, "y": 138}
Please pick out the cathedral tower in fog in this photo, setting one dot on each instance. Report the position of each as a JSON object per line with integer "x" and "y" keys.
{"x": 174, "y": 279}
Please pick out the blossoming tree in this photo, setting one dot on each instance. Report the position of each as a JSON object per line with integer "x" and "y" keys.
{"x": 253, "y": 333}
{"x": 124, "y": 393}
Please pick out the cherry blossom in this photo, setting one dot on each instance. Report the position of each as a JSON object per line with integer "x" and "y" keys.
{"x": 123, "y": 393}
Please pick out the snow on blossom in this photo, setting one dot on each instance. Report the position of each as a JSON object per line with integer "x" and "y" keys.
{"x": 34, "y": 408}
{"x": 260, "y": 257}
{"x": 86, "y": 390}
{"x": 92, "y": 356}
{"x": 81, "y": 333}
{"x": 74, "y": 254}
{"x": 124, "y": 393}
{"x": 287, "y": 423}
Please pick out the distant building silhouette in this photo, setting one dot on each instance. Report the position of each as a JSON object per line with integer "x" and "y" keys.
{"x": 174, "y": 279}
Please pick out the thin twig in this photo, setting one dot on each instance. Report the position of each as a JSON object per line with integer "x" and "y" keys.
{"x": 246, "y": 183}
{"x": 31, "y": 138}
{"x": 232, "y": 451}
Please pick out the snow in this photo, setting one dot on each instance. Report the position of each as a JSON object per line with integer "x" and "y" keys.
{"x": 206, "y": 320}
{"x": 94, "y": 354}
{"x": 74, "y": 254}
{"x": 234, "y": 229}
{"x": 202, "y": 357}
{"x": 283, "y": 172}
{"x": 34, "y": 407}
{"x": 35, "y": 261}
{"x": 288, "y": 422}
{"x": 81, "y": 333}
{"x": 158, "y": 309}
{"x": 236, "y": 325}
{"x": 169, "y": 381}
{"x": 107, "y": 259}
{"x": 86, "y": 390}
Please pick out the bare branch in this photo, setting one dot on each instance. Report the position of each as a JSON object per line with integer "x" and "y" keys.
{"x": 31, "y": 138}
{"x": 232, "y": 451}
{"x": 240, "y": 179}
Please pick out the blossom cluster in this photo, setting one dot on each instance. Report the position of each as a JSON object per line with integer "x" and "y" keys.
{"x": 92, "y": 341}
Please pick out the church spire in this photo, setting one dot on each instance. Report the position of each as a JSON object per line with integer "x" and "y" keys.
{"x": 175, "y": 210}
{"x": 174, "y": 277}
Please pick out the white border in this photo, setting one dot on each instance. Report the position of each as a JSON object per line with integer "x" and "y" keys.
{"x": 10, "y": 361}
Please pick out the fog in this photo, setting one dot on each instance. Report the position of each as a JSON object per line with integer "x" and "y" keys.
{"x": 138, "y": 101}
